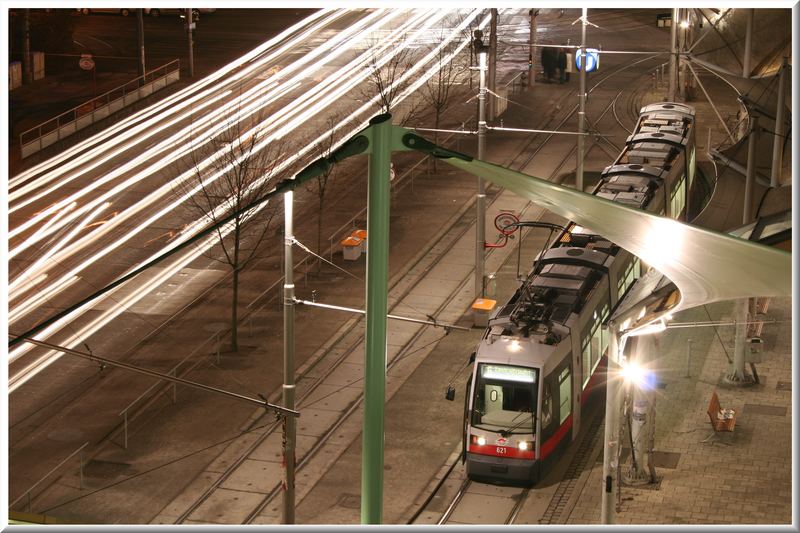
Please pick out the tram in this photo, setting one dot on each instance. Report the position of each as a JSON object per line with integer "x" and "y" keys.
{"x": 543, "y": 355}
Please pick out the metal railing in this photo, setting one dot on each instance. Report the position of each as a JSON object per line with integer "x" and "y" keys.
{"x": 59, "y": 465}
{"x": 69, "y": 122}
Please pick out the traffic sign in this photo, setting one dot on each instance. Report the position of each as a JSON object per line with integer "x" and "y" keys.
{"x": 86, "y": 62}
{"x": 592, "y": 59}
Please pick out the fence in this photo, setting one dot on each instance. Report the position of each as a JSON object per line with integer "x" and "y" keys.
{"x": 86, "y": 114}
{"x": 59, "y": 465}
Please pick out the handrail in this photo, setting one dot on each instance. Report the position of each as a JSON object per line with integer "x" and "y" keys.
{"x": 104, "y": 98}
{"x": 27, "y": 492}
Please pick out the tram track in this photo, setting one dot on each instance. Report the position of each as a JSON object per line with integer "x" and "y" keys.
{"x": 567, "y": 487}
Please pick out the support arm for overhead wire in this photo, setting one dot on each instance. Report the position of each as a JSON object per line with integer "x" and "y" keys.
{"x": 708, "y": 97}
{"x": 282, "y": 411}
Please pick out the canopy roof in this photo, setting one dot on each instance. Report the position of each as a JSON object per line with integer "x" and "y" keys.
{"x": 705, "y": 265}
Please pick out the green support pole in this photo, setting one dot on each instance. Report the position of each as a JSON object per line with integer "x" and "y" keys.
{"x": 377, "y": 286}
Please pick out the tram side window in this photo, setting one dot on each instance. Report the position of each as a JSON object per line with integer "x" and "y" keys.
{"x": 604, "y": 337}
{"x": 565, "y": 394}
{"x": 632, "y": 272}
{"x": 547, "y": 407}
{"x": 587, "y": 361}
{"x": 596, "y": 352}
{"x": 678, "y": 198}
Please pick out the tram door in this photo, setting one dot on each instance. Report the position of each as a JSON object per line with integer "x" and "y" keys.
{"x": 494, "y": 398}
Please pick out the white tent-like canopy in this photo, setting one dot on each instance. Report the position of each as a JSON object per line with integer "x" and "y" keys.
{"x": 706, "y": 266}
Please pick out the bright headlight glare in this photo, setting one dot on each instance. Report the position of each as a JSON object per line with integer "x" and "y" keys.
{"x": 481, "y": 441}
{"x": 523, "y": 445}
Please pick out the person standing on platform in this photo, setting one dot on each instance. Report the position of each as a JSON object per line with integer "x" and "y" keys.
{"x": 562, "y": 65}
{"x": 548, "y": 63}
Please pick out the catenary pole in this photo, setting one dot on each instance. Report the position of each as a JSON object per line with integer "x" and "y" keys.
{"x": 189, "y": 28}
{"x": 750, "y": 178}
{"x": 140, "y": 37}
{"x": 492, "y": 82}
{"x": 290, "y": 430}
{"x": 27, "y": 66}
{"x": 531, "y": 44}
{"x": 673, "y": 56}
{"x": 582, "y": 106}
{"x": 778, "y": 142}
{"x": 682, "y": 78}
{"x": 375, "y": 353}
{"x": 480, "y": 225}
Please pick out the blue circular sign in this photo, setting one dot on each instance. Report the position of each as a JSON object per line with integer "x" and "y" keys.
{"x": 592, "y": 59}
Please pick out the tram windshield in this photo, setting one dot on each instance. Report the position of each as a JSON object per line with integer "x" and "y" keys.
{"x": 505, "y": 398}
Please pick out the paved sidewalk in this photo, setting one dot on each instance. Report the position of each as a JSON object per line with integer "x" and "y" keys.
{"x": 746, "y": 481}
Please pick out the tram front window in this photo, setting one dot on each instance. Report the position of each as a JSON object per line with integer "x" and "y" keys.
{"x": 505, "y": 398}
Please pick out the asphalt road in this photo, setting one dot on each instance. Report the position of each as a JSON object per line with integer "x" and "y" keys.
{"x": 112, "y": 41}
{"x": 124, "y": 171}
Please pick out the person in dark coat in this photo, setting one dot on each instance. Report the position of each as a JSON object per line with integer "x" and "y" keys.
{"x": 562, "y": 65}
{"x": 548, "y": 63}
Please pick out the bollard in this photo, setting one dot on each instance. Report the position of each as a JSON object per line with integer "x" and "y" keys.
{"x": 688, "y": 357}
{"x": 708, "y": 146}
{"x": 655, "y": 82}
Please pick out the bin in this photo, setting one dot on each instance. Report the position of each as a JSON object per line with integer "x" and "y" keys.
{"x": 481, "y": 310}
{"x": 361, "y": 234}
{"x": 351, "y": 248}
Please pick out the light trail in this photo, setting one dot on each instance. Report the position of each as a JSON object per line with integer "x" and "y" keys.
{"x": 59, "y": 161}
{"x": 186, "y": 133}
{"x": 309, "y": 105}
{"x": 31, "y": 271}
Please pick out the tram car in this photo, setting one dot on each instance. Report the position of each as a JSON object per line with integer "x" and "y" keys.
{"x": 544, "y": 353}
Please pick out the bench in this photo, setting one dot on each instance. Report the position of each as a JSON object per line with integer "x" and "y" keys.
{"x": 721, "y": 419}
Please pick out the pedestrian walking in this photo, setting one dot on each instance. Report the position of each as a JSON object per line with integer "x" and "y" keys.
{"x": 562, "y": 65}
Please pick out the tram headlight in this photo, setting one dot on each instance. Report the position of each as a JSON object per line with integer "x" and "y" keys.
{"x": 524, "y": 445}
{"x": 480, "y": 441}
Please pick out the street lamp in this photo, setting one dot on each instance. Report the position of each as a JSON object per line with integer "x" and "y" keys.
{"x": 480, "y": 203}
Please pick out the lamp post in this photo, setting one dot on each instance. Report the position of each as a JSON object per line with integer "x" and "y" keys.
{"x": 581, "y": 105}
{"x": 611, "y": 435}
{"x": 683, "y": 80}
{"x": 641, "y": 382}
{"x": 290, "y": 425}
{"x": 189, "y": 30}
{"x": 673, "y": 55}
{"x": 531, "y": 44}
{"x": 480, "y": 203}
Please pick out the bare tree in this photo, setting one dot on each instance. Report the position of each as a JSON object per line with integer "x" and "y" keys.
{"x": 386, "y": 66}
{"x": 324, "y": 148}
{"x": 229, "y": 171}
{"x": 437, "y": 91}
